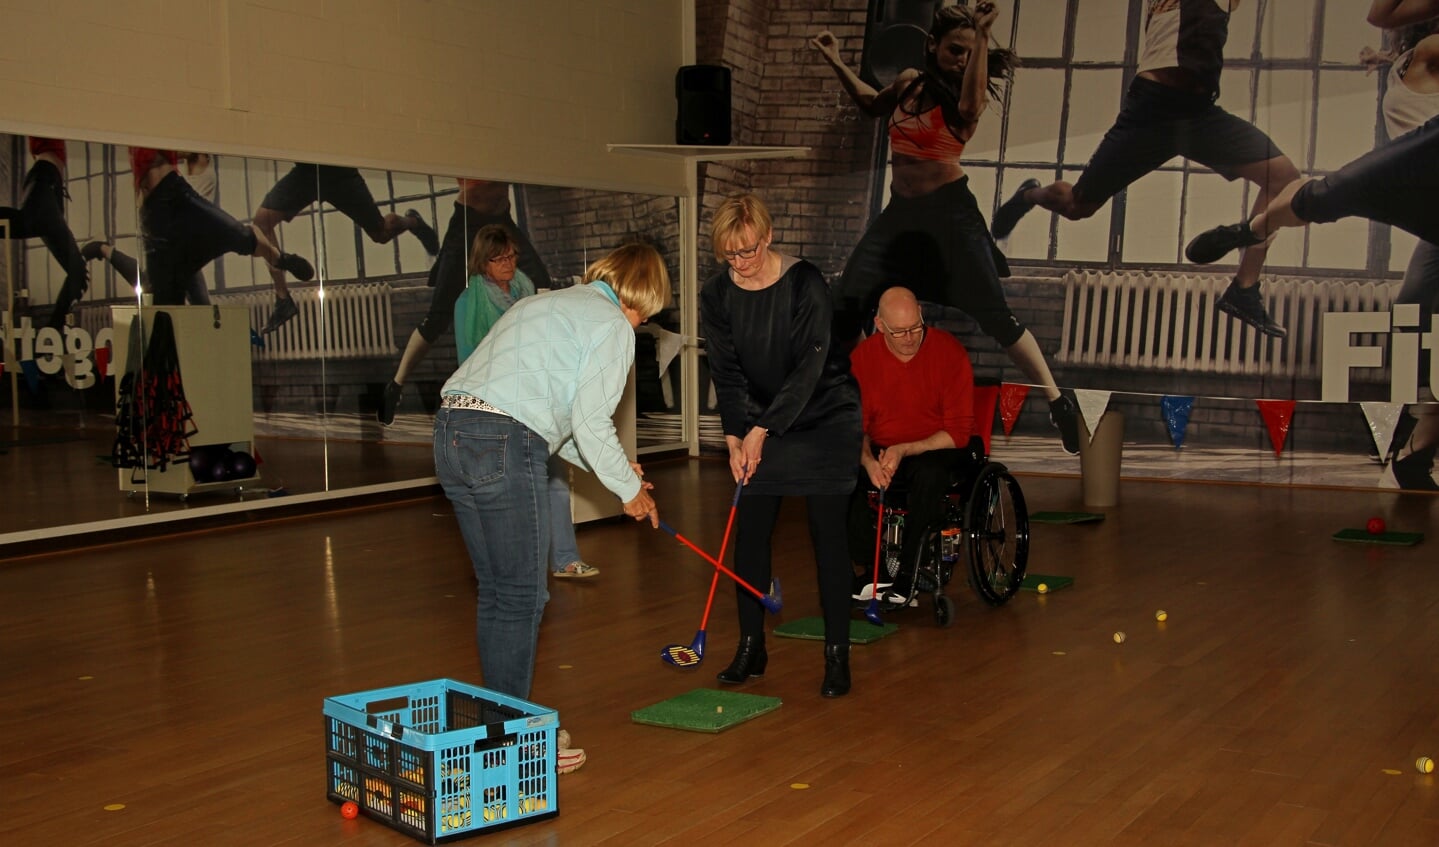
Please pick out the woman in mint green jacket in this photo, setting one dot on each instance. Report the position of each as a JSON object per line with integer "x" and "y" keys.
{"x": 496, "y": 284}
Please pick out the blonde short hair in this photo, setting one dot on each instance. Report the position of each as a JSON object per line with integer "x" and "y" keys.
{"x": 638, "y": 276}
{"x": 490, "y": 241}
{"x": 733, "y": 215}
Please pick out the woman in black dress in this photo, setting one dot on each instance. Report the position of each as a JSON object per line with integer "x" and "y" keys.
{"x": 791, "y": 419}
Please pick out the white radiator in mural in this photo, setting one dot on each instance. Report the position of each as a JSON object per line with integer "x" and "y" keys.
{"x": 350, "y": 321}
{"x": 357, "y": 316}
{"x": 1164, "y": 321}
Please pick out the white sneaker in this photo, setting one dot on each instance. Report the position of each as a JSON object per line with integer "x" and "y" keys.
{"x": 569, "y": 760}
{"x": 577, "y": 570}
{"x": 867, "y": 592}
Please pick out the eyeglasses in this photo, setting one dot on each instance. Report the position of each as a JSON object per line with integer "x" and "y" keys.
{"x": 902, "y": 334}
{"x": 505, "y": 258}
{"x": 746, "y": 253}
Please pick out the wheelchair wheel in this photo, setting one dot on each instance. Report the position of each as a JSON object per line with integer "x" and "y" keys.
{"x": 997, "y": 529}
{"x": 943, "y": 610}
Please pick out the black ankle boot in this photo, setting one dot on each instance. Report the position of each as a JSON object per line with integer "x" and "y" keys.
{"x": 836, "y": 670}
{"x": 749, "y": 660}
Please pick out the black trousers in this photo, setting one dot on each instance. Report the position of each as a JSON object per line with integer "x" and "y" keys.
{"x": 924, "y": 479}
{"x": 754, "y": 527}
{"x": 42, "y": 215}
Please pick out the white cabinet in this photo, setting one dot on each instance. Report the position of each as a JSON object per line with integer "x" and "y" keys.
{"x": 212, "y": 344}
{"x": 589, "y": 499}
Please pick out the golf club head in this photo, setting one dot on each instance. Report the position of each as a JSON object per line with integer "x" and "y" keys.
{"x": 680, "y": 656}
{"x": 698, "y": 645}
{"x": 774, "y": 600}
{"x": 871, "y": 613}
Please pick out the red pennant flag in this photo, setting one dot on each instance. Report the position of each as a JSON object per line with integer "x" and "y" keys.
{"x": 985, "y": 398}
{"x": 1011, "y": 400}
{"x": 1277, "y": 414}
{"x": 102, "y": 361}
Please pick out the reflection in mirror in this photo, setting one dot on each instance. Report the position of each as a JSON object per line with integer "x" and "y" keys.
{"x": 303, "y": 316}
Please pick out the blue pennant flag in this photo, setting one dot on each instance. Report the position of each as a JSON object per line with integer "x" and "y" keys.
{"x": 1176, "y": 417}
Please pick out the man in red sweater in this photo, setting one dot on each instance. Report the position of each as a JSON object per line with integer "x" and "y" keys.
{"x": 916, "y": 390}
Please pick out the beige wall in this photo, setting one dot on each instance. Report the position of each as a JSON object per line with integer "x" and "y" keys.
{"x": 525, "y": 90}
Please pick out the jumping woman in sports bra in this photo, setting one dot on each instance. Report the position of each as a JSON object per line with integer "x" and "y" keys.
{"x": 931, "y": 237}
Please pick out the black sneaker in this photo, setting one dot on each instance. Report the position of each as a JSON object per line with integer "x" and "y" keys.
{"x": 1016, "y": 207}
{"x": 1212, "y": 245}
{"x": 389, "y": 402}
{"x": 296, "y": 266}
{"x": 1415, "y": 472}
{"x": 1246, "y": 305}
{"x": 424, "y": 232}
{"x": 284, "y": 310}
{"x": 1064, "y": 414}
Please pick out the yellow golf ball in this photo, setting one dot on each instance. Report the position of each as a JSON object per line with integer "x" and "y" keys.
{"x": 1043, "y": 588}
{"x": 1161, "y": 615}
{"x": 1118, "y": 638}
{"x": 1425, "y": 764}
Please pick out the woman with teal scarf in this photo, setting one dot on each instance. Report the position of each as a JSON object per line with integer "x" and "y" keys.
{"x": 496, "y": 284}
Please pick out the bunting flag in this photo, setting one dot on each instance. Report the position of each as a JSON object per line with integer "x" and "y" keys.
{"x": 32, "y": 375}
{"x": 1092, "y": 405}
{"x": 1382, "y": 418}
{"x": 1176, "y": 416}
{"x": 985, "y": 397}
{"x": 102, "y": 361}
{"x": 1277, "y": 414}
{"x": 1011, "y": 400}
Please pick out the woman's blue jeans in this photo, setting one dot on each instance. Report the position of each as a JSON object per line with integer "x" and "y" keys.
{"x": 493, "y": 469}
{"x": 564, "y": 548}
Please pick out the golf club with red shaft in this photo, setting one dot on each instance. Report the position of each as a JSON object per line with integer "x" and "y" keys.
{"x": 772, "y": 602}
{"x": 687, "y": 657}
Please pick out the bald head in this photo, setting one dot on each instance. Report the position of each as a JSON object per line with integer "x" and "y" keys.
{"x": 898, "y": 308}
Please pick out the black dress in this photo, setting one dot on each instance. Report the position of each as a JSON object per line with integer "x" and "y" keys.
{"x": 775, "y": 364}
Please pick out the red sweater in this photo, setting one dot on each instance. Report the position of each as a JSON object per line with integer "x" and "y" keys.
{"x": 910, "y": 401}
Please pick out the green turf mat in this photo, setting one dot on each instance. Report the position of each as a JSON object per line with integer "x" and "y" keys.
{"x": 1051, "y": 583}
{"x": 860, "y": 632}
{"x": 1065, "y": 517}
{"x": 705, "y": 710}
{"x": 1363, "y": 536}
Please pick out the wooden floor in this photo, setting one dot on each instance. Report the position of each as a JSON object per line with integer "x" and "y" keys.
{"x": 1284, "y": 701}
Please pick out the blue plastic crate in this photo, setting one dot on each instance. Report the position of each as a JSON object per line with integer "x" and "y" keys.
{"x": 442, "y": 759}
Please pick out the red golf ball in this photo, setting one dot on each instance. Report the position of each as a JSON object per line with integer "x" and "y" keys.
{"x": 349, "y": 810}
{"x": 1375, "y": 526}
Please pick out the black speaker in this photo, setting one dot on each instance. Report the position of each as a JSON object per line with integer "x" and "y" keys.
{"x": 704, "y": 112}
{"x": 895, "y": 35}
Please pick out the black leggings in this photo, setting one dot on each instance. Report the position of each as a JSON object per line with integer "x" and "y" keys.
{"x": 450, "y": 272}
{"x": 754, "y": 526}
{"x": 937, "y": 245}
{"x": 42, "y": 215}
{"x": 129, "y": 270}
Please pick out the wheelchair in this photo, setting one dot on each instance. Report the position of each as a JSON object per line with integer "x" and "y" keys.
{"x": 985, "y": 522}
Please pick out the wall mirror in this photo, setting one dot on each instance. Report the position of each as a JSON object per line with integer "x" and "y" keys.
{"x": 189, "y": 332}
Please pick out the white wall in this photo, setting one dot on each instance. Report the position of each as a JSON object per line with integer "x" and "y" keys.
{"x": 525, "y": 90}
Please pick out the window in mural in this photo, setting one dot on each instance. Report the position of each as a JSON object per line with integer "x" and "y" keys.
{"x": 1295, "y": 74}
